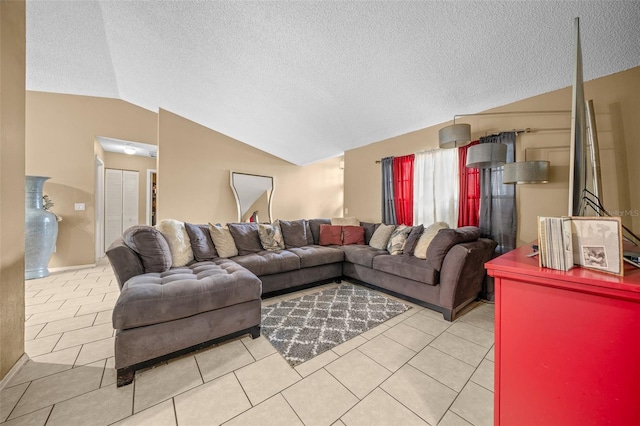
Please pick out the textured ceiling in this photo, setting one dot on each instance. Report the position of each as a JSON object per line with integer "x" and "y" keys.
{"x": 307, "y": 80}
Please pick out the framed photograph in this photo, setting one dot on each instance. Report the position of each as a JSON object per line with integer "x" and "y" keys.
{"x": 597, "y": 243}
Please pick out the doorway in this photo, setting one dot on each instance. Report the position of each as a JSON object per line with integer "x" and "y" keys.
{"x": 99, "y": 208}
{"x": 152, "y": 186}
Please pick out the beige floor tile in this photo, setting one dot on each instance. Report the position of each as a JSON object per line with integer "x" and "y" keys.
{"x": 37, "y": 418}
{"x": 104, "y": 290}
{"x": 359, "y": 373}
{"x": 46, "y": 365}
{"x": 266, "y": 377}
{"x": 68, "y": 296}
{"x": 460, "y": 348}
{"x": 491, "y": 354}
{"x": 57, "y": 289}
{"x": 319, "y": 399}
{"x": 31, "y": 301}
{"x": 104, "y": 317}
{"x": 444, "y": 368}
{"x": 69, "y": 324}
{"x": 475, "y": 405}
{"x": 481, "y": 321}
{"x": 111, "y": 297}
{"x": 95, "y": 351}
{"x": 349, "y": 345}
{"x": 423, "y": 395}
{"x": 96, "y": 307}
{"x": 452, "y": 419}
{"x": 59, "y": 387}
{"x": 275, "y": 411}
{"x": 165, "y": 381}
{"x": 32, "y": 331}
{"x": 100, "y": 407}
{"x": 9, "y": 397}
{"x": 338, "y": 423}
{"x": 399, "y": 318}
{"x": 213, "y": 403}
{"x": 408, "y": 336}
{"x": 109, "y": 375}
{"x": 162, "y": 414}
{"x": 41, "y": 346}
{"x": 484, "y": 374}
{"x": 386, "y": 352}
{"x": 380, "y": 409}
{"x": 434, "y": 315}
{"x": 52, "y": 316}
{"x": 84, "y": 335}
{"x": 32, "y": 291}
{"x": 260, "y": 347}
{"x": 472, "y": 333}
{"x": 427, "y": 324}
{"x": 83, "y": 300}
{"x": 370, "y": 334}
{"x": 316, "y": 363}
{"x": 220, "y": 360}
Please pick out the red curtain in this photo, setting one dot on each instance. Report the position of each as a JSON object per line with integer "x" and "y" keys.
{"x": 403, "y": 189}
{"x": 469, "y": 206}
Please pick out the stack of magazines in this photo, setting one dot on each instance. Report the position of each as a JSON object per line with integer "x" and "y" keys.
{"x": 555, "y": 243}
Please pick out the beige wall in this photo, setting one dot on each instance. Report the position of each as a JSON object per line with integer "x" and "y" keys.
{"x": 136, "y": 163}
{"x": 12, "y": 129}
{"x": 60, "y": 143}
{"x": 194, "y": 163}
{"x": 617, "y": 108}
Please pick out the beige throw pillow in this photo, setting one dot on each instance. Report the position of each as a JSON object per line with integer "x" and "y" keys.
{"x": 271, "y": 236}
{"x": 345, "y": 221}
{"x": 380, "y": 238}
{"x": 222, "y": 239}
{"x": 427, "y": 236}
{"x": 176, "y": 235}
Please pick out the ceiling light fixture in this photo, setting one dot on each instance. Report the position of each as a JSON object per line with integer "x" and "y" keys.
{"x": 129, "y": 149}
{"x": 526, "y": 172}
{"x": 486, "y": 155}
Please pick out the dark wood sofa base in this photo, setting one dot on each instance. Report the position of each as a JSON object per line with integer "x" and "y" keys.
{"x": 125, "y": 375}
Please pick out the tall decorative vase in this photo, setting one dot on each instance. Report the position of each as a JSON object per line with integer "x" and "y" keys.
{"x": 41, "y": 230}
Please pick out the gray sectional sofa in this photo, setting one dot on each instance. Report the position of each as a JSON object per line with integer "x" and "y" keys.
{"x": 164, "y": 311}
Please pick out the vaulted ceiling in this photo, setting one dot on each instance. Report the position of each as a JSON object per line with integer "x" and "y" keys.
{"x": 307, "y": 80}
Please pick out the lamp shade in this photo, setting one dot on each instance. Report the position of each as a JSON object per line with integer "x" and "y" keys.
{"x": 486, "y": 155}
{"x": 526, "y": 172}
{"x": 454, "y": 136}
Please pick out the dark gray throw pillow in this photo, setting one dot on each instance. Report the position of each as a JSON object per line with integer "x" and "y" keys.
{"x": 369, "y": 229}
{"x": 314, "y": 225}
{"x": 151, "y": 246}
{"x": 201, "y": 242}
{"x": 246, "y": 237}
{"x": 412, "y": 240}
{"x": 294, "y": 233}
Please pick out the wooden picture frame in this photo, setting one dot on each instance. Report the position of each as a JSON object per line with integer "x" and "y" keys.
{"x": 597, "y": 243}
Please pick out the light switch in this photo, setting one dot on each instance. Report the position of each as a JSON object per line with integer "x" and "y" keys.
{"x": 346, "y": 210}
{"x": 79, "y": 206}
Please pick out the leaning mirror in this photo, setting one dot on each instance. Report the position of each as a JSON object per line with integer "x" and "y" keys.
{"x": 253, "y": 196}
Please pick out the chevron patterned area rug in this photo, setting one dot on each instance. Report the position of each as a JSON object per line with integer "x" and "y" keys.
{"x": 305, "y": 327}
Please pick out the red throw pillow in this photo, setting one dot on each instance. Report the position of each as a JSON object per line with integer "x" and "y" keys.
{"x": 330, "y": 234}
{"x": 353, "y": 235}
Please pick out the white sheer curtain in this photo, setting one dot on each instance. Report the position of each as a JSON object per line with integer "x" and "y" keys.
{"x": 435, "y": 188}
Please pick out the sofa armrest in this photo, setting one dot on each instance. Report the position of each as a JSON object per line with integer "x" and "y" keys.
{"x": 463, "y": 272}
{"x": 125, "y": 262}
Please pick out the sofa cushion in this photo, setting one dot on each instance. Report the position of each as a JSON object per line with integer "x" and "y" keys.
{"x": 154, "y": 298}
{"x": 294, "y": 233}
{"x": 352, "y": 235}
{"x": 222, "y": 239}
{"x": 271, "y": 236}
{"x": 269, "y": 262}
{"x": 151, "y": 246}
{"x": 447, "y": 238}
{"x": 345, "y": 221}
{"x": 412, "y": 240}
{"x": 369, "y": 229}
{"x": 307, "y": 230}
{"x": 246, "y": 237}
{"x": 361, "y": 255}
{"x": 381, "y": 236}
{"x": 330, "y": 235}
{"x": 201, "y": 242}
{"x": 317, "y": 255}
{"x": 427, "y": 236}
{"x": 398, "y": 238}
{"x": 178, "y": 239}
{"x": 409, "y": 267}
{"x": 314, "y": 225}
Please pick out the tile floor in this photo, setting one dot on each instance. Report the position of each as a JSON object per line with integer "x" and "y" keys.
{"x": 415, "y": 369}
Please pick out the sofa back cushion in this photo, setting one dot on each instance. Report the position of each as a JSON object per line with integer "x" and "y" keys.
{"x": 314, "y": 225}
{"x": 381, "y": 236}
{"x": 330, "y": 235}
{"x": 176, "y": 235}
{"x": 222, "y": 239}
{"x": 151, "y": 246}
{"x": 369, "y": 229}
{"x": 201, "y": 242}
{"x": 352, "y": 235}
{"x": 447, "y": 238}
{"x": 294, "y": 233}
{"x": 425, "y": 239}
{"x": 246, "y": 237}
{"x": 345, "y": 221}
{"x": 412, "y": 240}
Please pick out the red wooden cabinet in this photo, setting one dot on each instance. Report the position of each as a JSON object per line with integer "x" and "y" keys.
{"x": 567, "y": 344}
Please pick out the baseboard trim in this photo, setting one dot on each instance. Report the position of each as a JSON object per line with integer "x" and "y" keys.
{"x": 14, "y": 370}
{"x": 71, "y": 268}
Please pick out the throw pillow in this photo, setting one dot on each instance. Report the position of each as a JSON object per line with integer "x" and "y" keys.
{"x": 425, "y": 239}
{"x": 246, "y": 238}
{"x": 412, "y": 240}
{"x": 330, "y": 235}
{"x": 201, "y": 242}
{"x": 369, "y": 229}
{"x": 307, "y": 226}
{"x": 314, "y": 225}
{"x": 447, "y": 238}
{"x": 381, "y": 236}
{"x": 345, "y": 221}
{"x": 398, "y": 239}
{"x": 294, "y": 233}
{"x": 271, "y": 236}
{"x": 352, "y": 235}
{"x": 222, "y": 239}
{"x": 151, "y": 246}
{"x": 176, "y": 234}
